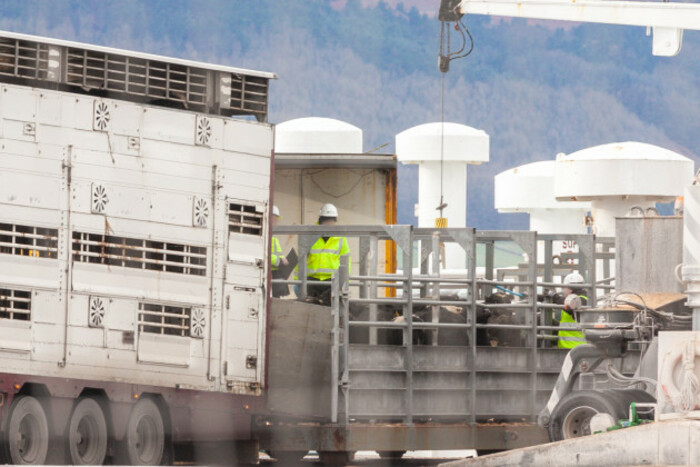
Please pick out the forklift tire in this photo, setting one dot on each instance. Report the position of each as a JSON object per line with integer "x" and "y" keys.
{"x": 637, "y": 395}
{"x": 572, "y": 415}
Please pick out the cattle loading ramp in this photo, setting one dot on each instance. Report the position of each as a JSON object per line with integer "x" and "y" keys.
{"x": 381, "y": 390}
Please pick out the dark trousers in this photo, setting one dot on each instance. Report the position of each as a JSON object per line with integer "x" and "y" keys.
{"x": 279, "y": 290}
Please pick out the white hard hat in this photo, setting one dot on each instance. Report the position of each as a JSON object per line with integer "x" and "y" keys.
{"x": 328, "y": 210}
{"x": 275, "y": 211}
{"x": 574, "y": 278}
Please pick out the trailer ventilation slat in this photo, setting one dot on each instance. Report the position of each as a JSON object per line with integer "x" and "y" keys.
{"x": 139, "y": 253}
{"x": 23, "y": 59}
{"x": 161, "y": 319}
{"x": 249, "y": 94}
{"x": 26, "y": 240}
{"x": 153, "y": 79}
{"x": 15, "y": 304}
{"x": 244, "y": 219}
{"x": 139, "y": 78}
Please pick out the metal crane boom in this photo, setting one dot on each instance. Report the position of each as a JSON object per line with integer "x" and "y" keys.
{"x": 668, "y": 20}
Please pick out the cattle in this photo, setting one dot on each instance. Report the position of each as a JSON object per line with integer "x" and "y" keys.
{"x": 386, "y": 336}
{"x": 499, "y": 337}
{"x": 447, "y": 314}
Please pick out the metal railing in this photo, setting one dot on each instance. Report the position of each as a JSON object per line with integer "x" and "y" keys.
{"x": 393, "y": 365}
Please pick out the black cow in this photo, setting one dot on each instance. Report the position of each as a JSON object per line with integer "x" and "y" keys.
{"x": 447, "y": 314}
{"x": 498, "y": 337}
{"x": 385, "y": 313}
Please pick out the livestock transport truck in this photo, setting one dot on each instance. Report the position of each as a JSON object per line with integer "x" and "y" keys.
{"x": 135, "y": 323}
{"x": 133, "y": 238}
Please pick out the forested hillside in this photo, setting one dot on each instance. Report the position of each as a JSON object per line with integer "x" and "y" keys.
{"x": 537, "y": 89}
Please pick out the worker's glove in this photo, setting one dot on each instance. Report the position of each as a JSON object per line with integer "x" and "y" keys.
{"x": 572, "y": 302}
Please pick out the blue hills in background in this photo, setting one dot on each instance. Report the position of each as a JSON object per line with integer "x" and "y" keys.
{"x": 537, "y": 88}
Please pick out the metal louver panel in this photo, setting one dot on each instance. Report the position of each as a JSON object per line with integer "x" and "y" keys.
{"x": 23, "y": 59}
{"x": 27, "y": 240}
{"x": 245, "y": 219}
{"x": 133, "y": 76}
{"x": 139, "y": 253}
{"x": 249, "y": 94}
{"x": 136, "y": 76}
{"x": 15, "y": 304}
{"x": 170, "y": 320}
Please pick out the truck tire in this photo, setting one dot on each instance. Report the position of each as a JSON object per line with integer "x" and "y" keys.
{"x": 336, "y": 458}
{"x": 572, "y": 415}
{"x": 27, "y": 435}
{"x": 87, "y": 433}
{"x": 144, "y": 441}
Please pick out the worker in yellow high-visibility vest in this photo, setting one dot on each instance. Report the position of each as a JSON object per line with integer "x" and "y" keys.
{"x": 277, "y": 258}
{"x": 323, "y": 259}
{"x": 574, "y": 298}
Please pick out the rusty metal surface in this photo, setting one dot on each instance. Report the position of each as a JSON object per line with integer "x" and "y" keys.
{"x": 342, "y": 161}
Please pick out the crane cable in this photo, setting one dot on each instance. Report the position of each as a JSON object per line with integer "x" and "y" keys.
{"x": 442, "y": 221}
{"x": 445, "y": 57}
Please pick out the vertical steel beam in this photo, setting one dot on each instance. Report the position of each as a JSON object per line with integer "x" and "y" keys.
{"x": 489, "y": 262}
{"x": 335, "y": 347}
{"x": 435, "y": 246}
{"x": 532, "y": 271}
{"x": 408, "y": 330}
{"x": 343, "y": 295}
{"x": 373, "y": 257}
{"x": 473, "y": 329}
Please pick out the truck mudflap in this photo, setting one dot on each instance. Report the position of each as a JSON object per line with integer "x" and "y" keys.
{"x": 396, "y": 437}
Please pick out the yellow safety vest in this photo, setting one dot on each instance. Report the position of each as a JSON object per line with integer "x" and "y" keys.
{"x": 324, "y": 258}
{"x": 568, "y": 338}
{"x": 275, "y": 253}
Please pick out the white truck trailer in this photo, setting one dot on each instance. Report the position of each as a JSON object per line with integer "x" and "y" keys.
{"x": 134, "y": 195}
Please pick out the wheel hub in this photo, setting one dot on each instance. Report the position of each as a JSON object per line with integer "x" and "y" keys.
{"x": 577, "y": 422}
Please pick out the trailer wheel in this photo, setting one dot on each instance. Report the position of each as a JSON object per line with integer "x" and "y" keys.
{"x": 391, "y": 454}
{"x": 336, "y": 458}
{"x": 144, "y": 443}
{"x": 87, "y": 433}
{"x": 27, "y": 434}
{"x": 572, "y": 416}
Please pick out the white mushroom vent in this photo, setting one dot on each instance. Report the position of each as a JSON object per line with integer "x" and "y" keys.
{"x": 202, "y": 131}
{"x": 101, "y": 116}
{"x": 200, "y": 212}
{"x": 198, "y": 323}
{"x": 99, "y": 199}
{"x": 96, "y": 312}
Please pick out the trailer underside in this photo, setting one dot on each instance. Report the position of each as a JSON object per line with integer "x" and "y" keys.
{"x": 389, "y": 437}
